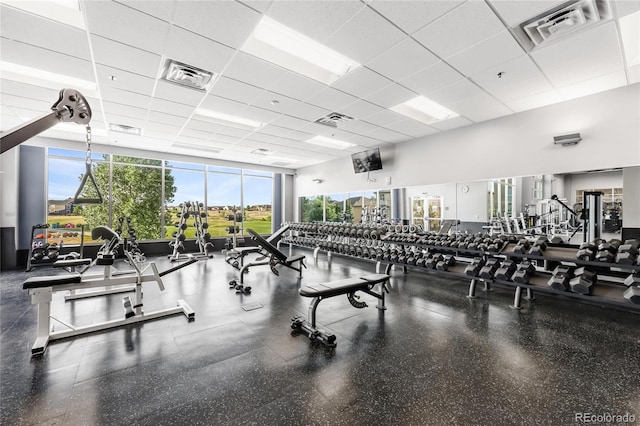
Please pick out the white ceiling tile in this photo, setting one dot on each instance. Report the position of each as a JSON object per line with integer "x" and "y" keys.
{"x": 160, "y": 131}
{"x": 28, "y": 110}
{"x": 124, "y": 57}
{"x": 177, "y": 93}
{"x": 315, "y": 19}
{"x": 461, "y": 89}
{"x": 47, "y": 60}
{"x": 125, "y": 110}
{"x": 271, "y": 129}
{"x": 586, "y": 55}
{"x": 626, "y": 7}
{"x": 251, "y": 70}
{"x": 192, "y": 49}
{"x": 296, "y": 86}
{"x": 412, "y": 128}
{"x": 290, "y": 122}
{"x": 124, "y": 97}
{"x": 168, "y": 107}
{"x": 481, "y": 108}
{"x": 226, "y": 22}
{"x": 391, "y": 96}
{"x": 29, "y": 91}
{"x": 227, "y": 106}
{"x": 362, "y": 82}
{"x": 411, "y": 15}
{"x": 402, "y": 60}
{"x": 232, "y": 89}
{"x": 129, "y": 26}
{"x": 432, "y": 78}
{"x": 452, "y": 123}
{"x": 126, "y": 120}
{"x": 160, "y": 9}
{"x": 520, "y": 78}
{"x": 384, "y": 117}
{"x": 232, "y": 132}
{"x": 332, "y": 99}
{"x": 365, "y": 36}
{"x": 191, "y": 133}
{"x": 268, "y": 138}
{"x": 289, "y": 106}
{"x": 516, "y": 12}
{"x": 124, "y": 80}
{"x": 4, "y": 110}
{"x": 259, "y": 114}
{"x": 493, "y": 51}
{"x": 360, "y": 109}
{"x": 68, "y": 40}
{"x": 534, "y": 101}
{"x": 594, "y": 85}
{"x": 259, "y": 5}
{"x": 170, "y": 119}
{"x": 633, "y": 74}
{"x": 463, "y": 27}
{"x": 357, "y": 126}
{"x": 387, "y": 135}
{"x": 202, "y": 125}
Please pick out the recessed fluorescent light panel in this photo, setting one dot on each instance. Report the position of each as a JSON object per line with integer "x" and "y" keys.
{"x": 121, "y": 128}
{"x": 629, "y": 30}
{"x": 38, "y": 77}
{"x": 228, "y": 119}
{"x": 290, "y": 49}
{"x": 424, "y": 110}
{"x": 63, "y": 11}
{"x": 330, "y": 142}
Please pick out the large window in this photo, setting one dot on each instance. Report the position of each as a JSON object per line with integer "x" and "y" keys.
{"x": 150, "y": 192}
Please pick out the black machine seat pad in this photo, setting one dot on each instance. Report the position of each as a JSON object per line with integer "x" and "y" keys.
{"x": 343, "y": 286}
{"x": 267, "y": 246}
{"x": 71, "y": 262}
{"x": 40, "y": 282}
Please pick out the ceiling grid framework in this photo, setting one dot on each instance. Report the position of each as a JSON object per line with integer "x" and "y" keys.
{"x": 461, "y": 54}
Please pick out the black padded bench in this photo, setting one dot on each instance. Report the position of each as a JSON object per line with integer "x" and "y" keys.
{"x": 348, "y": 286}
{"x": 276, "y": 258}
{"x": 235, "y": 257}
{"x": 40, "y": 282}
{"x": 71, "y": 264}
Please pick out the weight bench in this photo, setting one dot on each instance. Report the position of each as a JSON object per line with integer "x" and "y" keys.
{"x": 235, "y": 257}
{"x": 275, "y": 259}
{"x": 41, "y": 290}
{"x": 71, "y": 264}
{"x": 348, "y": 286}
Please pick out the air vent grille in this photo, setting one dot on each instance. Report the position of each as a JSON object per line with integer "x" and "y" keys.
{"x": 121, "y": 128}
{"x": 262, "y": 151}
{"x": 332, "y": 119}
{"x": 187, "y": 75}
{"x": 565, "y": 19}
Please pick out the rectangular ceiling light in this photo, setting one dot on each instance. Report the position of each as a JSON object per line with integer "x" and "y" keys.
{"x": 227, "y": 119}
{"x": 629, "y": 26}
{"x": 424, "y": 110}
{"x": 37, "y": 77}
{"x": 121, "y": 128}
{"x": 62, "y": 11}
{"x": 290, "y": 49}
{"x": 331, "y": 143}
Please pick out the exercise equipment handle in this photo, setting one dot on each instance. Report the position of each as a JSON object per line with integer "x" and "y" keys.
{"x": 182, "y": 265}
{"x": 555, "y": 198}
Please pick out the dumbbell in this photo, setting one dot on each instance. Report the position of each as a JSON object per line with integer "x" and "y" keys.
{"x": 628, "y": 253}
{"x": 561, "y": 277}
{"x": 522, "y": 246}
{"x": 607, "y": 251}
{"x": 539, "y": 247}
{"x": 473, "y": 269}
{"x": 490, "y": 268}
{"x": 632, "y": 294}
{"x": 506, "y": 270}
{"x": 523, "y": 273}
{"x": 556, "y": 240}
{"x": 587, "y": 251}
{"x": 443, "y": 265}
{"x": 433, "y": 261}
{"x": 584, "y": 281}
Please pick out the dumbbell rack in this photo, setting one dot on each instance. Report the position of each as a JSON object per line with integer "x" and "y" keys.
{"x": 50, "y": 252}
{"x": 236, "y": 217}
{"x": 203, "y": 238}
{"x": 130, "y": 242}
{"x": 608, "y": 291}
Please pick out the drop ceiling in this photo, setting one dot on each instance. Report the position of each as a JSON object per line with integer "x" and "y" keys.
{"x": 462, "y": 54}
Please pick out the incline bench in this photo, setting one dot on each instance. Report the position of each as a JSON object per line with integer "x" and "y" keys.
{"x": 348, "y": 286}
{"x": 276, "y": 258}
{"x": 235, "y": 257}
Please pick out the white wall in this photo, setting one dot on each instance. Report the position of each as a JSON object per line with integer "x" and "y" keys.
{"x": 589, "y": 181}
{"x": 515, "y": 145}
{"x": 631, "y": 203}
{"x": 9, "y": 189}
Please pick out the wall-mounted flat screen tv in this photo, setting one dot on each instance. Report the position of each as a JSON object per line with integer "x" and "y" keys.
{"x": 367, "y": 161}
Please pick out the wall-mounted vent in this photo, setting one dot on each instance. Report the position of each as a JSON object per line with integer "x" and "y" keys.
{"x": 332, "y": 119}
{"x": 187, "y": 75}
{"x": 121, "y": 128}
{"x": 562, "y": 20}
{"x": 280, "y": 164}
